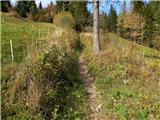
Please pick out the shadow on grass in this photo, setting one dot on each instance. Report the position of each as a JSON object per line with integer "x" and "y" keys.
{"x": 70, "y": 99}
{"x": 152, "y": 56}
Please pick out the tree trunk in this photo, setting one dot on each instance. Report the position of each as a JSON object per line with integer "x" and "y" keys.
{"x": 96, "y": 46}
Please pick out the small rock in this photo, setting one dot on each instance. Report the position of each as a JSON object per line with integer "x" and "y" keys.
{"x": 99, "y": 107}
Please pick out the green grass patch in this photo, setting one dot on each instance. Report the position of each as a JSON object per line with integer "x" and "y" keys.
{"x": 22, "y": 33}
{"x": 122, "y": 112}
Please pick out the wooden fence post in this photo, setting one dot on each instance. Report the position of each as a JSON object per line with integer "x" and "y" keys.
{"x": 48, "y": 32}
{"x": 39, "y": 34}
{"x": 11, "y": 50}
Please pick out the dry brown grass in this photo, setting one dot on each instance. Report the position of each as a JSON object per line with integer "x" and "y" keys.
{"x": 122, "y": 67}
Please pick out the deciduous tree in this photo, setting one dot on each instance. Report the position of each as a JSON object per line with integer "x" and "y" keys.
{"x": 96, "y": 46}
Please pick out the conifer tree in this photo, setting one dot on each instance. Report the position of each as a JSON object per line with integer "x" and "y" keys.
{"x": 77, "y": 9}
{"x": 121, "y": 29}
{"x": 5, "y": 5}
{"x": 124, "y": 7}
{"x": 62, "y": 6}
{"x": 40, "y": 6}
{"x": 138, "y": 7}
{"x": 112, "y": 20}
{"x": 33, "y": 8}
{"x": 25, "y": 8}
{"x": 149, "y": 24}
{"x": 22, "y": 8}
{"x": 80, "y": 13}
{"x": 152, "y": 22}
{"x": 104, "y": 22}
{"x": 121, "y": 18}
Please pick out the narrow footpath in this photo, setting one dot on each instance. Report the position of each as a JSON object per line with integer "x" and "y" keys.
{"x": 94, "y": 103}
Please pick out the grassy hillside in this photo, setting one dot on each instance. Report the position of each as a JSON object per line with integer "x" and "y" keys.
{"x": 148, "y": 53}
{"x": 127, "y": 77}
{"x": 22, "y": 32}
{"x": 46, "y": 84}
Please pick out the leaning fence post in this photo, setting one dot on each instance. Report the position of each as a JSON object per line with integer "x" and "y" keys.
{"x": 39, "y": 34}
{"x": 143, "y": 53}
{"x": 11, "y": 50}
{"x": 48, "y": 32}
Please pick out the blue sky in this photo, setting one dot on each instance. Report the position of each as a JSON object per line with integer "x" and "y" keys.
{"x": 44, "y": 2}
{"x": 104, "y": 6}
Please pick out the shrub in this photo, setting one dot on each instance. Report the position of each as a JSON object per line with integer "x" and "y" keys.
{"x": 43, "y": 81}
{"x": 64, "y": 19}
{"x": 37, "y": 81}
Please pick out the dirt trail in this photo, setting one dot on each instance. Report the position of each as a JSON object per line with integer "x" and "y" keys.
{"x": 95, "y": 106}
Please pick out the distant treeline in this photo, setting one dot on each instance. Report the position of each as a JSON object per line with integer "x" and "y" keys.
{"x": 29, "y": 9}
{"x": 141, "y": 23}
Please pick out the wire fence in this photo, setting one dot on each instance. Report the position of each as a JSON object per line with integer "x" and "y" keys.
{"x": 17, "y": 51}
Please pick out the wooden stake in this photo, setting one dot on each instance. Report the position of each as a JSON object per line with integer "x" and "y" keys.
{"x": 143, "y": 53}
{"x": 39, "y": 34}
{"x": 11, "y": 50}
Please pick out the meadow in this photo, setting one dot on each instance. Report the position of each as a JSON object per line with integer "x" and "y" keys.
{"x": 43, "y": 81}
{"x": 22, "y": 32}
{"x": 127, "y": 77}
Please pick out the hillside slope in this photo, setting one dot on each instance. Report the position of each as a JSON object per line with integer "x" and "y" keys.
{"x": 127, "y": 77}
{"x": 25, "y": 35}
{"x": 44, "y": 83}
{"x": 22, "y": 32}
{"x": 46, "y": 80}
